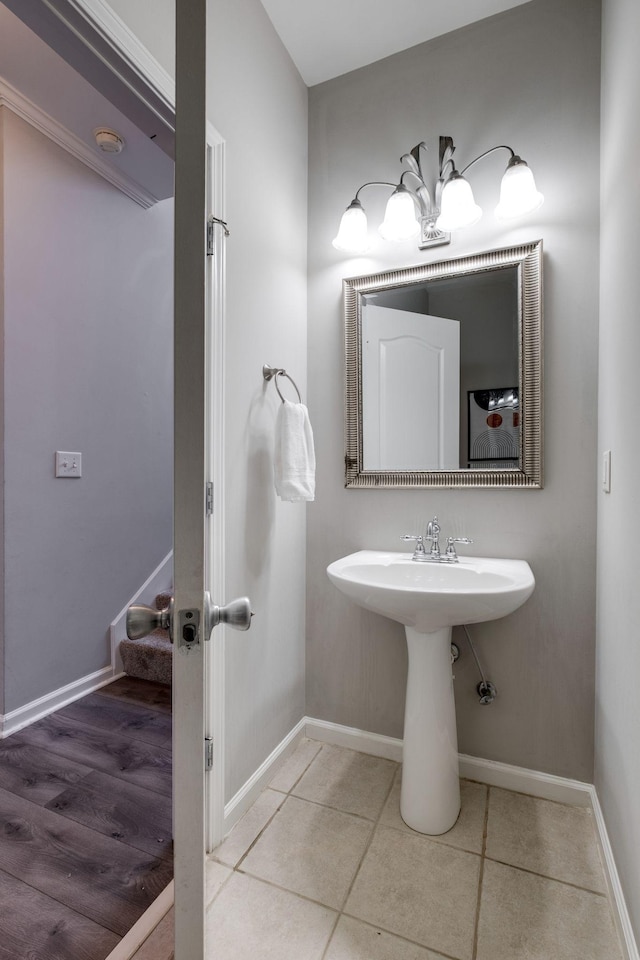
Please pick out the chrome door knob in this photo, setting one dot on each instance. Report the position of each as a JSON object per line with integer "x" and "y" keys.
{"x": 237, "y": 614}
{"x": 143, "y": 620}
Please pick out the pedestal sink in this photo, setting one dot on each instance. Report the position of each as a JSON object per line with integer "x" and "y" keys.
{"x": 430, "y": 598}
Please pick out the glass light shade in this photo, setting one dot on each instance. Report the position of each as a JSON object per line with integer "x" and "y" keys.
{"x": 457, "y": 207}
{"x": 518, "y": 194}
{"x": 352, "y": 236}
{"x": 400, "y": 216}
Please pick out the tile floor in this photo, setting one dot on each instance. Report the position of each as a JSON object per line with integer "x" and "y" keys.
{"x": 323, "y": 868}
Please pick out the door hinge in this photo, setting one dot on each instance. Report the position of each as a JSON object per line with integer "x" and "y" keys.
{"x": 211, "y": 222}
{"x": 208, "y": 753}
{"x": 209, "y": 498}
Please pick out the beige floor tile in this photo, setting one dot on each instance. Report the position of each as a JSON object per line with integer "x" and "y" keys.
{"x": 215, "y": 875}
{"x": 526, "y": 917}
{"x": 354, "y": 940}
{"x": 353, "y": 782}
{"x": 311, "y": 850}
{"x": 251, "y": 920}
{"x": 234, "y": 847}
{"x": 159, "y": 944}
{"x": 293, "y": 768}
{"x": 421, "y": 890}
{"x": 554, "y": 839}
{"x": 466, "y": 833}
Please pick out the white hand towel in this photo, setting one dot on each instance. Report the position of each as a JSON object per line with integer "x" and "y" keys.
{"x": 295, "y": 459}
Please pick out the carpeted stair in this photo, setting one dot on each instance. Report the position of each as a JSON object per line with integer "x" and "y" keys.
{"x": 150, "y": 657}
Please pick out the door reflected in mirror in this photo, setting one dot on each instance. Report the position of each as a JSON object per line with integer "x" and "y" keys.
{"x": 443, "y": 377}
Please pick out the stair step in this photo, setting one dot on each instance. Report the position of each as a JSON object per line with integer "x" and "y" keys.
{"x": 150, "y": 658}
{"x": 163, "y": 600}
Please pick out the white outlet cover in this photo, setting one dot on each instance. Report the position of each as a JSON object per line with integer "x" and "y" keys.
{"x": 68, "y": 464}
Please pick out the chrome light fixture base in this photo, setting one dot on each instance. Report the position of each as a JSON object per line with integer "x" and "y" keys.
{"x": 430, "y": 236}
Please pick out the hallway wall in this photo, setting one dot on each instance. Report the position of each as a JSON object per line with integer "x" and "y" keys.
{"x": 87, "y": 303}
{"x": 618, "y": 649}
{"x": 528, "y": 77}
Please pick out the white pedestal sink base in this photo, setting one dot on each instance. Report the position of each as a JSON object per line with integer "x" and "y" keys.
{"x": 430, "y": 795}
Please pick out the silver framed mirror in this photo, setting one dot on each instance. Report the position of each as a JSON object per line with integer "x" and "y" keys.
{"x": 443, "y": 379}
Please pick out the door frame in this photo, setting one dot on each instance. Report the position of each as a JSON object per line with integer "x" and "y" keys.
{"x": 215, "y": 539}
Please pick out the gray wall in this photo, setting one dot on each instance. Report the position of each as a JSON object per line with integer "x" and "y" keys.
{"x": 258, "y": 103}
{"x": 618, "y": 650}
{"x": 87, "y": 367}
{"x": 528, "y": 77}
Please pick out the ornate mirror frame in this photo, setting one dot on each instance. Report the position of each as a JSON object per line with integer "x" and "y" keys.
{"x": 528, "y": 260}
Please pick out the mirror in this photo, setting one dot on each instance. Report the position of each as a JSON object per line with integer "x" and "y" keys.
{"x": 444, "y": 373}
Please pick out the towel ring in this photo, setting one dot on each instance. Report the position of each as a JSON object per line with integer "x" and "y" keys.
{"x": 272, "y": 373}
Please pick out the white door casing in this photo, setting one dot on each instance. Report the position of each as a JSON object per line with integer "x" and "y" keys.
{"x": 411, "y": 377}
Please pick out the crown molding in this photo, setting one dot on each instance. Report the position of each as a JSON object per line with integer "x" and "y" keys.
{"x": 59, "y": 134}
{"x": 115, "y": 32}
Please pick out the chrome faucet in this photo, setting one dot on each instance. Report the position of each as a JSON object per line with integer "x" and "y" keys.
{"x": 434, "y": 554}
{"x": 433, "y": 534}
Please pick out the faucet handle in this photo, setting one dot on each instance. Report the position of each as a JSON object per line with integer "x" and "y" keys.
{"x": 419, "y": 541}
{"x": 451, "y": 550}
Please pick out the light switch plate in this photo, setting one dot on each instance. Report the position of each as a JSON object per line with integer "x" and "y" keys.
{"x": 68, "y": 464}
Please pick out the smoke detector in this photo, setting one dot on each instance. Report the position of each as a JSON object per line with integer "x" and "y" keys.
{"x": 108, "y": 140}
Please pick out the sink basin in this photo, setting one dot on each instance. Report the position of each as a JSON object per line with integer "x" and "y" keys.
{"x": 429, "y": 599}
{"x": 428, "y": 596}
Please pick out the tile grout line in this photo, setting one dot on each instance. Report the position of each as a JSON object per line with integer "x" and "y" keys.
{"x": 546, "y": 876}
{"x": 375, "y": 823}
{"x": 476, "y": 927}
{"x": 328, "y": 806}
{"x": 298, "y": 779}
{"x": 400, "y": 936}
{"x": 330, "y": 937}
{"x": 272, "y": 817}
{"x": 257, "y": 836}
{"x": 220, "y": 888}
{"x": 293, "y": 893}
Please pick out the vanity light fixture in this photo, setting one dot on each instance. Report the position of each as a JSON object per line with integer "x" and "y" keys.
{"x": 415, "y": 211}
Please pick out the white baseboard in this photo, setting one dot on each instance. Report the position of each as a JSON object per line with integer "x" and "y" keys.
{"x": 521, "y": 780}
{"x": 144, "y": 926}
{"x": 621, "y": 913}
{"x": 339, "y": 736}
{"x": 158, "y": 582}
{"x": 50, "y": 702}
{"x": 256, "y": 783}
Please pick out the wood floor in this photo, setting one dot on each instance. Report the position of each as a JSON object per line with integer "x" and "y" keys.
{"x": 85, "y": 823}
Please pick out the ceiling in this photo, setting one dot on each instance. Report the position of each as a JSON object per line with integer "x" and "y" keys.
{"x": 332, "y": 37}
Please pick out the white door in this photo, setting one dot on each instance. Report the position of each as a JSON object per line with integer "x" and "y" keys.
{"x": 411, "y": 378}
{"x": 197, "y": 417}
